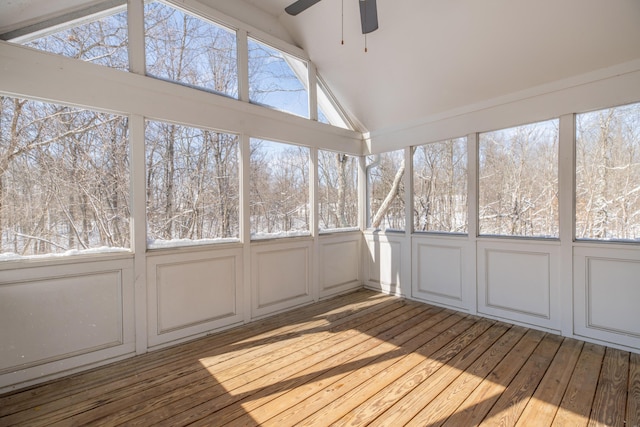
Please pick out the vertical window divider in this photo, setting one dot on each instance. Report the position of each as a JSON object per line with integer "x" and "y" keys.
{"x": 135, "y": 28}
{"x": 472, "y": 183}
{"x": 408, "y": 193}
{"x": 242, "y": 46}
{"x": 313, "y": 91}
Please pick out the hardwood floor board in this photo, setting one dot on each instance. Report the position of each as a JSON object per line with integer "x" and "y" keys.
{"x": 633, "y": 399}
{"x": 277, "y": 397}
{"x": 436, "y": 340}
{"x": 165, "y": 396}
{"x": 247, "y": 385}
{"x": 417, "y": 374}
{"x": 439, "y": 409}
{"x": 430, "y": 387}
{"x": 473, "y": 410}
{"x": 512, "y": 402}
{"x": 357, "y": 359}
{"x": 575, "y": 407}
{"x": 609, "y": 403}
{"x": 542, "y": 408}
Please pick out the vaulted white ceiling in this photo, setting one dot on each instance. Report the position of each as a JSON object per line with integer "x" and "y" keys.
{"x": 431, "y": 57}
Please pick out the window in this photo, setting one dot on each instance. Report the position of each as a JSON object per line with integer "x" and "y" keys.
{"x": 64, "y": 180}
{"x": 102, "y": 41}
{"x": 192, "y": 186}
{"x": 440, "y": 186}
{"x": 386, "y": 209}
{"x": 328, "y": 110}
{"x": 608, "y": 174}
{"x": 518, "y": 187}
{"x": 338, "y": 191}
{"x": 183, "y": 48}
{"x": 277, "y": 80}
{"x": 279, "y": 198}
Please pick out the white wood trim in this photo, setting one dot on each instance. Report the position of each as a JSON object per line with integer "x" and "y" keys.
{"x": 135, "y": 29}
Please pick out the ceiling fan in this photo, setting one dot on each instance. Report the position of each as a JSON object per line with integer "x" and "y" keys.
{"x": 368, "y": 12}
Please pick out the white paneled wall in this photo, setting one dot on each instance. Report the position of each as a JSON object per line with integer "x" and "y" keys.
{"x": 193, "y": 292}
{"x": 520, "y": 281}
{"x": 339, "y": 263}
{"x": 607, "y": 294}
{"x": 443, "y": 270}
{"x": 280, "y": 275}
{"x": 61, "y": 317}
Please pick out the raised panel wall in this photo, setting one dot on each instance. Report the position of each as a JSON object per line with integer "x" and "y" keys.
{"x": 520, "y": 282}
{"x": 607, "y": 294}
{"x": 64, "y": 316}
{"x": 387, "y": 262}
{"x": 280, "y": 276}
{"x": 192, "y": 293}
{"x": 339, "y": 263}
{"x": 440, "y": 270}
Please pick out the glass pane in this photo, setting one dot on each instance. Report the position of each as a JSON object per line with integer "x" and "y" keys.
{"x": 277, "y": 80}
{"x": 192, "y": 186}
{"x": 608, "y": 174}
{"x": 519, "y": 181}
{"x": 64, "y": 180}
{"x": 338, "y": 191}
{"x": 183, "y": 48}
{"x": 279, "y": 198}
{"x": 440, "y": 186}
{"x": 327, "y": 109}
{"x": 386, "y": 191}
{"x": 103, "y": 41}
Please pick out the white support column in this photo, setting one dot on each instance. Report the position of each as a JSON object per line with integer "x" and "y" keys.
{"x": 362, "y": 214}
{"x": 139, "y": 229}
{"x": 314, "y": 221}
{"x": 245, "y": 224}
{"x": 472, "y": 218}
{"x": 566, "y": 197}
{"x": 242, "y": 46}
{"x": 135, "y": 22}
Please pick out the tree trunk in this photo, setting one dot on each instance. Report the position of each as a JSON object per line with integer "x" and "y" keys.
{"x": 393, "y": 192}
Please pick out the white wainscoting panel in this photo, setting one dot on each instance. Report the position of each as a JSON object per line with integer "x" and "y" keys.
{"x": 440, "y": 270}
{"x": 58, "y": 318}
{"x": 607, "y": 294}
{"x": 387, "y": 262}
{"x": 339, "y": 263}
{"x": 280, "y": 275}
{"x": 193, "y": 292}
{"x": 520, "y": 282}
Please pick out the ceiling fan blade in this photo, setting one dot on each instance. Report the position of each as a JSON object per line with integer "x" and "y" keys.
{"x": 299, "y": 6}
{"x": 368, "y": 16}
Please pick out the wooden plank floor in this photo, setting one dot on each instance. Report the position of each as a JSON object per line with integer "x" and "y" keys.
{"x": 359, "y": 359}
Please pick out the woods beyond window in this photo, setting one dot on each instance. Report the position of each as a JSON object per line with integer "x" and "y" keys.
{"x": 518, "y": 186}
{"x": 338, "y": 190}
{"x": 279, "y": 198}
{"x": 608, "y": 174}
{"x": 277, "y": 80}
{"x": 192, "y": 185}
{"x": 102, "y": 41}
{"x": 386, "y": 190}
{"x": 440, "y": 186}
{"x": 64, "y": 179}
{"x": 186, "y": 49}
